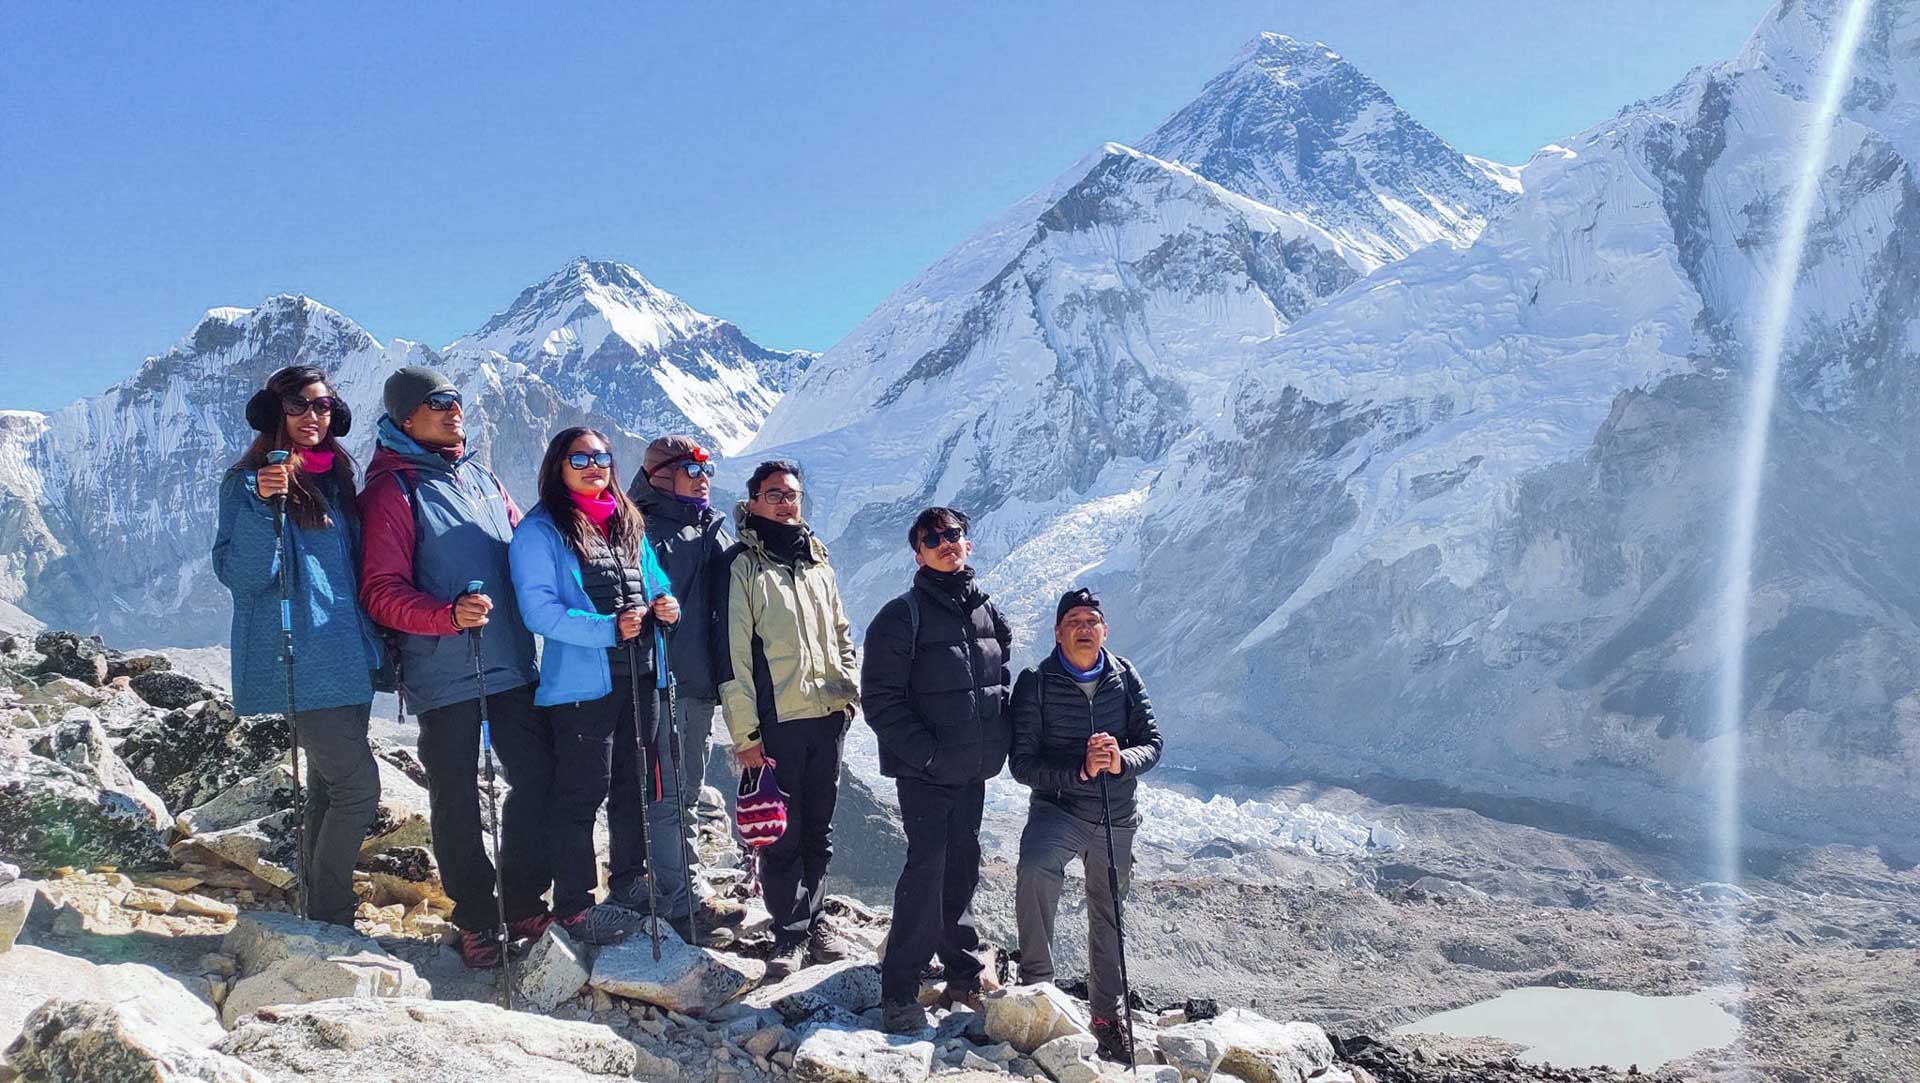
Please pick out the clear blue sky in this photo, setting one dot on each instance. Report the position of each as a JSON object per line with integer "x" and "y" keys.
{"x": 782, "y": 165}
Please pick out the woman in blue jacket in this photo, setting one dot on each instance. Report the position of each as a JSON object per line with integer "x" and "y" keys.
{"x": 588, "y": 585}
{"x": 335, "y": 648}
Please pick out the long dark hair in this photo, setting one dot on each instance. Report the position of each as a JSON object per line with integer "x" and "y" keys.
{"x": 304, "y": 504}
{"x": 629, "y": 527}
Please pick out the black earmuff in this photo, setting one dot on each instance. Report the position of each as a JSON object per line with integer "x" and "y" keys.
{"x": 263, "y": 411}
{"x": 264, "y": 414}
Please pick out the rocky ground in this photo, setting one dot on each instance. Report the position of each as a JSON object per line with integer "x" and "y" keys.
{"x": 154, "y": 860}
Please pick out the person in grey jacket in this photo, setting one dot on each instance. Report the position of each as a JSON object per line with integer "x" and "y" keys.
{"x": 1079, "y": 716}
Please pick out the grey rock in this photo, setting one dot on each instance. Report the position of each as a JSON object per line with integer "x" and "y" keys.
{"x": 1260, "y": 1050}
{"x": 28, "y": 974}
{"x": 552, "y": 973}
{"x": 22, "y": 904}
{"x": 360, "y": 1041}
{"x": 1193, "y": 1048}
{"x": 1072, "y": 1058}
{"x": 284, "y": 960}
{"x": 849, "y": 985}
{"x": 79, "y": 657}
{"x": 263, "y": 847}
{"x": 191, "y": 756}
{"x": 93, "y": 1041}
{"x": 1029, "y": 1016}
{"x": 832, "y": 1055}
{"x": 164, "y": 688}
{"x": 685, "y": 979}
{"x": 261, "y": 794}
{"x": 9, "y": 872}
{"x": 52, "y": 815}
{"x": 78, "y": 741}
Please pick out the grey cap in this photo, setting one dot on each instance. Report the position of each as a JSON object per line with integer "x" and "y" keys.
{"x": 407, "y": 388}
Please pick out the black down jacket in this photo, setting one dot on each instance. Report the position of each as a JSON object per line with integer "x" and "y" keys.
{"x": 1052, "y": 719}
{"x": 938, "y": 700}
{"x": 691, "y": 544}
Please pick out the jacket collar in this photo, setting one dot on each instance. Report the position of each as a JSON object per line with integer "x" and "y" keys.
{"x": 749, "y": 537}
{"x": 392, "y": 438}
{"x": 655, "y": 504}
{"x": 1110, "y": 670}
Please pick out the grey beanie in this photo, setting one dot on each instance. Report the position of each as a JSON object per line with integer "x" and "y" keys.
{"x": 407, "y": 388}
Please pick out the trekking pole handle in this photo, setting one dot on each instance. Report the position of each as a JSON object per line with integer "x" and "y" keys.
{"x": 475, "y": 586}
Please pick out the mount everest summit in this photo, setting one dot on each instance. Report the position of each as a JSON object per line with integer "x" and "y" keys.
{"x": 1387, "y": 460}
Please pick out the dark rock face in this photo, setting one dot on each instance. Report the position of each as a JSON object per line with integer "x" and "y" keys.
{"x": 52, "y": 815}
{"x": 190, "y": 756}
{"x": 164, "y": 688}
{"x": 70, "y": 655}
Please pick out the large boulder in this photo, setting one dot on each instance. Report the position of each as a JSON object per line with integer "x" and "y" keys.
{"x": 261, "y": 794}
{"x": 554, "y": 972}
{"x": 264, "y": 848}
{"x": 405, "y": 818}
{"x": 850, "y": 985}
{"x": 165, "y": 688}
{"x": 686, "y": 979}
{"x": 29, "y": 975}
{"x": 1194, "y": 1048}
{"x": 52, "y": 815}
{"x": 1029, "y": 1016}
{"x": 93, "y": 1041}
{"x": 831, "y": 1055}
{"x": 22, "y": 903}
{"x": 360, "y": 1041}
{"x": 70, "y": 655}
{"x": 80, "y": 742}
{"x": 288, "y": 960}
{"x": 130, "y": 665}
{"x": 193, "y": 755}
{"x": 1260, "y": 1050}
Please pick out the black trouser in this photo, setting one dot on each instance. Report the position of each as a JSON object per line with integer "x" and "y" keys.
{"x": 793, "y": 870}
{"x": 933, "y": 902}
{"x": 596, "y": 758}
{"x": 343, "y": 797}
{"x": 450, "y": 751}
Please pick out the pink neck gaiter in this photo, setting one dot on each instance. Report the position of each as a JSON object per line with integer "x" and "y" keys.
{"x": 315, "y": 461}
{"x": 598, "y": 509}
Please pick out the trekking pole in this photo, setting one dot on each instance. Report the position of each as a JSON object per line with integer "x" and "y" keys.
{"x": 493, "y": 808}
{"x": 1120, "y": 929}
{"x": 646, "y": 790}
{"x": 672, "y": 742}
{"x": 646, "y": 776}
{"x": 281, "y": 551}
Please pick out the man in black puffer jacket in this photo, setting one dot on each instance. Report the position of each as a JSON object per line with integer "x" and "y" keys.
{"x": 934, "y": 689}
{"x": 1080, "y": 715}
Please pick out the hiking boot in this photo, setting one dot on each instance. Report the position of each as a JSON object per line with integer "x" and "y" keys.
{"x": 786, "y": 959}
{"x": 969, "y": 994}
{"x": 602, "y": 924}
{"x": 1114, "y": 1042}
{"x": 480, "y": 948}
{"x": 632, "y": 896}
{"x": 529, "y": 928}
{"x": 906, "y": 1017}
{"x": 826, "y": 946}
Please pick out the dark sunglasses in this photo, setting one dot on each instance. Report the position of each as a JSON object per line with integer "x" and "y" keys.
{"x": 932, "y": 538}
{"x": 295, "y": 406}
{"x": 442, "y": 401}
{"x": 694, "y": 468}
{"x": 579, "y": 459}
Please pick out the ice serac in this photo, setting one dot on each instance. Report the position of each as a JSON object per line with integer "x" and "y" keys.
{"x": 1041, "y": 371}
{"x": 1467, "y": 524}
{"x": 108, "y": 506}
{"x": 602, "y": 336}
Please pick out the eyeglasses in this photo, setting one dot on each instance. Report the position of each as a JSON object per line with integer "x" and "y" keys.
{"x": 778, "y": 497}
{"x": 1082, "y": 624}
{"x": 442, "y": 401}
{"x": 295, "y": 406}
{"x": 693, "y": 468}
{"x": 933, "y": 537}
{"x": 580, "y": 459}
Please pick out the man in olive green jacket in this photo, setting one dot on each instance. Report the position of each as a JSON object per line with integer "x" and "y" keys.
{"x": 789, "y": 682}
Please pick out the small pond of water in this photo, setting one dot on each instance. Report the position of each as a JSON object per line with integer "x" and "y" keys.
{"x": 1582, "y": 1027}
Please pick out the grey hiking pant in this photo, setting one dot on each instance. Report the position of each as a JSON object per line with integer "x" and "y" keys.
{"x": 1052, "y": 839}
{"x": 693, "y": 718}
{"x": 342, "y": 799}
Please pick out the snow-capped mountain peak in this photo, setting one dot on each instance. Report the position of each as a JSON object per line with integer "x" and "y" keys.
{"x": 1292, "y": 124}
{"x": 583, "y": 297}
